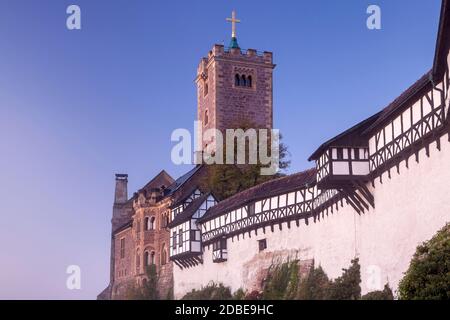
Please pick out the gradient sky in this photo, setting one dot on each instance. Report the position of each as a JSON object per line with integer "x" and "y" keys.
{"x": 76, "y": 107}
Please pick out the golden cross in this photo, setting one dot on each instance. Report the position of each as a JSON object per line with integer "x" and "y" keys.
{"x": 233, "y": 21}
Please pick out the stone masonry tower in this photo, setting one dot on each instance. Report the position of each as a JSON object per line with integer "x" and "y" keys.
{"x": 234, "y": 86}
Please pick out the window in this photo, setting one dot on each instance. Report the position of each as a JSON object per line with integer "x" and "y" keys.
{"x": 138, "y": 260}
{"x": 262, "y": 244}
{"x": 251, "y": 209}
{"x": 122, "y": 248}
{"x": 249, "y": 81}
{"x": 152, "y": 257}
{"x": 340, "y": 153}
{"x": 237, "y": 80}
{"x": 146, "y": 259}
{"x": 149, "y": 223}
{"x": 205, "y": 89}
{"x": 152, "y": 223}
{"x": 356, "y": 152}
{"x": 174, "y": 239}
{"x": 180, "y": 238}
{"x": 192, "y": 235}
{"x": 220, "y": 245}
{"x": 243, "y": 81}
{"x": 205, "y": 120}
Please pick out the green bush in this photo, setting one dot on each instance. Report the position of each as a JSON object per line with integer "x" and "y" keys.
{"x": 212, "y": 291}
{"x": 385, "y": 294}
{"x": 428, "y": 275}
{"x": 315, "y": 286}
{"x": 239, "y": 295}
{"x": 282, "y": 282}
{"x": 347, "y": 286}
{"x": 149, "y": 288}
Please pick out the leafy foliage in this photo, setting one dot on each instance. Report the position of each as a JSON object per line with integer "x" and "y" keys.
{"x": 347, "y": 286}
{"x": 428, "y": 275}
{"x": 315, "y": 286}
{"x": 282, "y": 282}
{"x": 149, "y": 288}
{"x": 385, "y": 294}
{"x": 212, "y": 291}
{"x": 225, "y": 180}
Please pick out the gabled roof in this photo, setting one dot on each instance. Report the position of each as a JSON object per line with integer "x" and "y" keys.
{"x": 264, "y": 190}
{"x": 190, "y": 210}
{"x": 181, "y": 181}
{"x": 338, "y": 140}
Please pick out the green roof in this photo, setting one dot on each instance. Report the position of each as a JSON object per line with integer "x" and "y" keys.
{"x": 234, "y": 43}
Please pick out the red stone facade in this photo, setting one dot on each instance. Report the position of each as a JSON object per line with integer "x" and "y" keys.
{"x": 223, "y": 104}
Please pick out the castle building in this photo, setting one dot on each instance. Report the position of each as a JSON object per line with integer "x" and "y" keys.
{"x": 377, "y": 190}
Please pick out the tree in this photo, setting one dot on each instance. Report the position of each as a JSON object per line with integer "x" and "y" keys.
{"x": 385, "y": 294}
{"x": 347, "y": 286}
{"x": 428, "y": 275}
{"x": 315, "y": 286}
{"x": 225, "y": 180}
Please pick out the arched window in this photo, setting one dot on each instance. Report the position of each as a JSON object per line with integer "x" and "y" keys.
{"x": 243, "y": 81}
{"x": 149, "y": 223}
{"x": 152, "y": 257}
{"x": 138, "y": 262}
{"x": 249, "y": 81}
{"x": 206, "y": 118}
{"x": 205, "y": 90}
{"x": 152, "y": 223}
{"x": 237, "y": 80}
{"x": 146, "y": 259}
{"x": 163, "y": 254}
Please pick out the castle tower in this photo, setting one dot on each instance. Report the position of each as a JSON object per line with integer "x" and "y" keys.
{"x": 234, "y": 87}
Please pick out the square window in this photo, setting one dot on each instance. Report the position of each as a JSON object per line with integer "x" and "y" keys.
{"x": 262, "y": 244}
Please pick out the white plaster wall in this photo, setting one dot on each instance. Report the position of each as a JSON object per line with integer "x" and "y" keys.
{"x": 410, "y": 208}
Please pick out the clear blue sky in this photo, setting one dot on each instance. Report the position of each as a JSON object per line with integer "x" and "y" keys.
{"x": 78, "y": 106}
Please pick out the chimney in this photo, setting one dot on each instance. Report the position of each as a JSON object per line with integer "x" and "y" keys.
{"x": 121, "y": 193}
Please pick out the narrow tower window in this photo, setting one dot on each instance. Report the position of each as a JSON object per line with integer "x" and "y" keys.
{"x": 206, "y": 120}
{"x": 243, "y": 81}
{"x": 237, "y": 80}
{"x": 205, "y": 90}
{"x": 249, "y": 81}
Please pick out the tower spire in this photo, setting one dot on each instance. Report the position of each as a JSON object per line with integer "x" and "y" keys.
{"x": 233, "y": 20}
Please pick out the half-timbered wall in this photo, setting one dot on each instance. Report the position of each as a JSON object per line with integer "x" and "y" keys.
{"x": 186, "y": 237}
{"x": 289, "y": 206}
{"x": 424, "y": 118}
{"x": 179, "y": 209}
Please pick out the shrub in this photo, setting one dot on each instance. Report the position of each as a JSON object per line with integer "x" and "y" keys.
{"x": 347, "y": 286}
{"x": 281, "y": 282}
{"x": 148, "y": 290}
{"x": 315, "y": 286}
{"x": 212, "y": 291}
{"x": 428, "y": 275}
{"x": 385, "y": 294}
{"x": 239, "y": 294}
